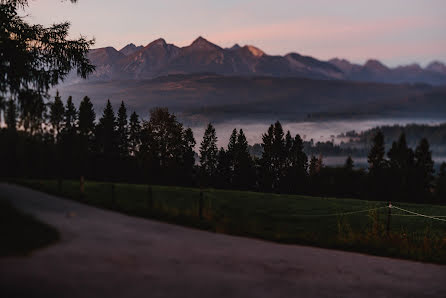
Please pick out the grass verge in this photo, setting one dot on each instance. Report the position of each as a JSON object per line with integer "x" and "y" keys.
{"x": 281, "y": 218}
{"x": 21, "y": 233}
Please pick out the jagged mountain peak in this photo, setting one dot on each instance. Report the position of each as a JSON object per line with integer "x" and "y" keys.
{"x": 235, "y": 47}
{"x": 256, "y": 52}
{"x": 130, "y": 49}
{"x": 203, "y": 44}
{"x": 375, "y": 64}
{"x": 436, "y": 66}
{"x": 158, "y": 42}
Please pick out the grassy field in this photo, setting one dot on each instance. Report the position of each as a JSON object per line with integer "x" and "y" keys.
{"x": 282, "y": 218}
{"x": 22, "y": 233}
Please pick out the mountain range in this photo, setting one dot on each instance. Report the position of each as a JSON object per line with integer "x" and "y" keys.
{"x": 159, "y": 58}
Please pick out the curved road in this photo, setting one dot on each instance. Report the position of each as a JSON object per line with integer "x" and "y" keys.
{"x": 106, "y": 254}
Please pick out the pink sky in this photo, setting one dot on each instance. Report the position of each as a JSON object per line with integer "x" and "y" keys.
{"x": 395, "y": 32}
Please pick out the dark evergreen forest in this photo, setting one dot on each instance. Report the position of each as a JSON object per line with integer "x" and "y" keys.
{"x": 61, "y": 141}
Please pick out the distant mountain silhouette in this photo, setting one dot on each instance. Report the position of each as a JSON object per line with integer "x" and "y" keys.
{"x": 159, "y": 58}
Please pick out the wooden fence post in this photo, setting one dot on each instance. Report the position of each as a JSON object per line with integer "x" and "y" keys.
{"x": 149, "y": 198}
{"x": 59, "y": 185}
{"x": 113, "y": 197}
{"x": 82, "y": 189}
{"x": 200, "y": 205}
{"x": 389, "y": 215}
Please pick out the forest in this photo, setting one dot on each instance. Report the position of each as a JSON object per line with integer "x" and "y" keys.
{"x": 61, "y": 141}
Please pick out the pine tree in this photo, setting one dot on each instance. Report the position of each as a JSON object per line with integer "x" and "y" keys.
{"x": 244, "y": 175}
{"x": 2, "y": 107}
{"x": 87, "y": 118}
{"x": 266, "y": 176}
{"x": 123, "y": 131}
{"x": 401, "y": 156}
{"x": 11, "y": 116}
{"x": 376, "y": 157}
{"x": 106, "y": 132}
{"x": 188, "y": 157}
{"x": 70, "y": 148}
{"x": 86, "y": 126}
{"x": 57, "y": 112}
{"x": 162, "y": 146}
{"x": 402, "y": 170}
{"x": 70, "y": 116}
{"x": 349, "y": 165}
{"x": 224, "y": 171}
{"x": 208, "y": 155}
{"x": 314, "y": 166}
{"x": 134, "y": 134}
{"x": 424, "y": 166}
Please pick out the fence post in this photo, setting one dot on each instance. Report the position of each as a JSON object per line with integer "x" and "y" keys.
{"x": 59, "y": 185}
{"x": 200, "y": 205}
{"x": 113, "y": 199}
{"x": 82, "y": 186}
{"x": 149, "y": 198}
{"x": 389, "y": 215}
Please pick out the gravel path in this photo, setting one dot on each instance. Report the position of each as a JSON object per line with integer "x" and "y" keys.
{"x": 106, "y": 254}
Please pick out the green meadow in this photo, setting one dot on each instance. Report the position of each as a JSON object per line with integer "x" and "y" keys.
{"x": 347, "y": 224}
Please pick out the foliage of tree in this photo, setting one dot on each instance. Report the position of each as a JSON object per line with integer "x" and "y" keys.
{"x": 208, "y": 155}
{"x": 34, "y": 57}
{"x": 161, "y": 151}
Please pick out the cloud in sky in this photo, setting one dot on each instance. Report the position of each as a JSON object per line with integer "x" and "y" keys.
{"x": 396, "y": 32}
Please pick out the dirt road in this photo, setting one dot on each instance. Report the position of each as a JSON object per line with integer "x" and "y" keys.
{"x": 106, "y": 254}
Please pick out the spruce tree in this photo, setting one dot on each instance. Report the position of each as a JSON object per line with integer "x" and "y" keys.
{"x": 440, "y": 188}
{"x": 87, "y": 118}
{"x": 2, "y": 107}
{"x": 106, "y": 132}
{"x": 266, "y": 176}
{"x": 243, "y": 168}
{"x": 134, "y": 134}
{"x": 349, "y": 164}
{"x": 70, "y": 147}
{"x": 188, "y": 157}
{"x": 424, "y": 167}
{"x": 224, "y": 171}
{"x": 86, "y": 126}
{"x": 402, "y": 170}
{"x": 314, "y": 166}
{"x": 376, "y": 157}
{"x": 57, "y": 112}
{"x": 208, "y": 155}
{"x": 123, "y": 131}
{"x": 70, "y": 116}
{"x": 11, "y": 116}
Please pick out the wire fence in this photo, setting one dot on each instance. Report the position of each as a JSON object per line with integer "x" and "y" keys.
{"x": 408, "y": 213}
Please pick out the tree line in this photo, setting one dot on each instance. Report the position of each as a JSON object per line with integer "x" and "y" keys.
{"x": 60, "y": 141}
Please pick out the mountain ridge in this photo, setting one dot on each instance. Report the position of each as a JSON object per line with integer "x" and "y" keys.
{"x": 160, "y": 58}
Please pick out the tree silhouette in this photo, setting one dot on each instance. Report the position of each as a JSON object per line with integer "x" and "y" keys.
{"x": 11, "y": 116}
{"x": 244, "y": 175}
{"x": 440, "y": 189}
{"x": 134, "y": 134}
{"x": 123, "y": 131}
{"x": 86, "y": 127}
{"x": 425, "y": 168}
{"x": 401, "y": 161}
{"x": 57, "y": 111}
{"x": 349, "y": 164}
{"x": 70, "y": 117}
{"x": 208, "y": 155}
{"x": 87, "y": 118}
{"x": 224, "y": 170}
{"x": 295, "y": 180}
{"x": 34, "y": 57}
{"x": 162, "y": 146}
{"x": 376, "y": 157}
